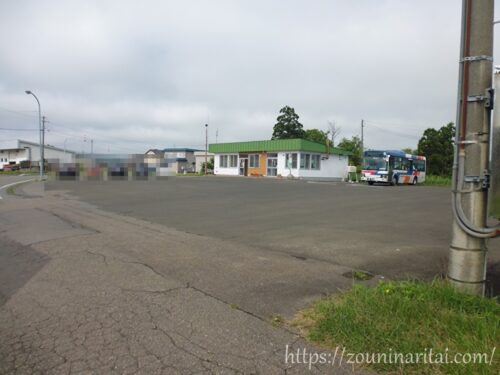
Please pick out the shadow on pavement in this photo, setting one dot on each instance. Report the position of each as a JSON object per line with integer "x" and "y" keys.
{"x": 18, "y": 264}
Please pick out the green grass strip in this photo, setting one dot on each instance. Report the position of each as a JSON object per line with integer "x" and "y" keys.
{"x": 408, "y": 317}
{"x": 432, "y": 180}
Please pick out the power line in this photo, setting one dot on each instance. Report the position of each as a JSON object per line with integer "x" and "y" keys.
{"x": 18, "y": 112}
{"x": 18, "y": 129}
{"x": 395, "y": 124}
{"x": 100, "y": 137}
{"x": 82, "y": 138}
{"x": 411, "y": 136}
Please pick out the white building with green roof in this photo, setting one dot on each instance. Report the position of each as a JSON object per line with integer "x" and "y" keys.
{"x": 297, "y": 158}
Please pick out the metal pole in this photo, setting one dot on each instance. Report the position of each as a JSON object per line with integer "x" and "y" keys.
{"x": 362, "y": 138}
{"x": 43, "y": 141}
{"x": 467, "y": 256}
{"x": 206, "y": 149}
{"x": 40, "y": 131}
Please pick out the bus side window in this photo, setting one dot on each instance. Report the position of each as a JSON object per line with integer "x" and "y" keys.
{"x": 419, "y": 165}
{"x": 396, "y": 163}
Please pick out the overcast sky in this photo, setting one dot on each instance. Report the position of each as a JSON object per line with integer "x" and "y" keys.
{"x": 134, "y": 75}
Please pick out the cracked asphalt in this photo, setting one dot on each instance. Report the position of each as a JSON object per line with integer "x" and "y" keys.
{"x": 87, "y": 291}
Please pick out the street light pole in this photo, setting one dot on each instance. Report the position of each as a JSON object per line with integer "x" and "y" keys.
{"x": 362, "y": 138}
{"x": 41, "y": 133}
{"x": 206, "y": 149}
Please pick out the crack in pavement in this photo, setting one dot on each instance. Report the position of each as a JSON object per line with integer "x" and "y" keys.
{"x": 189, "y": 286}
{"x": 87, "y": 312}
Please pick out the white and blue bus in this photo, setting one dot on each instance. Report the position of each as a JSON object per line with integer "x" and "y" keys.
{"x": 392, "y": 167}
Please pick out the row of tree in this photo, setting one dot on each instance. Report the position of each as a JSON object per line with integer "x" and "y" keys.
{"x": 435, "y": 144}
{"x": 289, "y": 127}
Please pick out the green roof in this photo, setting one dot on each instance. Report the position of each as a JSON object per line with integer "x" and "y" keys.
{"x": 274, "y": 146}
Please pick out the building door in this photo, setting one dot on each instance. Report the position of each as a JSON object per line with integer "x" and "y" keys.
{"x": 272, "y": 165}
{"x": 244, "y": 167}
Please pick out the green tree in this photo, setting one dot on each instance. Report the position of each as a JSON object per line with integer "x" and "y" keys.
{"x": 410, "y": 151}
{"x": 288, "y": 125}
{"x": 352, "y": 145}
{"x": 210, "y": 166}
{"x": 318, "y": 136}
{"x": 437, "y": 147}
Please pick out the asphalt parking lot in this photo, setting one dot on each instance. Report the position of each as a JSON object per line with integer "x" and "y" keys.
{"x": 397, "y": 232}
{"x": 195, "y": 274}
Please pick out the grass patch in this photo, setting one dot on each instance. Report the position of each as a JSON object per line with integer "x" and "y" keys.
{"x": 431, "y": 180}
{"x": 18, "y": 172}
{"x": 277, "y": 320}
{"x": 10, "y": 190}
{"x": 358, "y": 275}
{"x": 407, "y": 317}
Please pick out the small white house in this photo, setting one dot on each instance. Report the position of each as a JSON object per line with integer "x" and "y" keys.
{"x": 199, "y": 157}
{"x": 24, "y": 151}
{"x": 297, "y": 158}
{"x": 176, "y": 160}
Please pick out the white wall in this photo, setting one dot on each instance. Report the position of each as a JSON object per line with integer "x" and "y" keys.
{"x": 333, "y": 167}
{"x": 16, "y": 155}
{"x": 283, "y": 170}
{"x": 200, "y": 159}
{"x": 225, "y": 171}
{"x": 63, "y": 157}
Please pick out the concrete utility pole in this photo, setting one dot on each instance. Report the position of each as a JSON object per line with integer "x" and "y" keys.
{"x": 44, "y": 120}
{"x": 206, "y": 149}
{"x": 362, "y": 138}
{"x": 467, "y": 256}
{"x": 91, "y": 148}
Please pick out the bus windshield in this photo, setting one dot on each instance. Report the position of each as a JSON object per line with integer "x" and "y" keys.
{"x": 375, "y": 163}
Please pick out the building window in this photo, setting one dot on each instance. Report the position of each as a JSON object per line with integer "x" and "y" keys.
{"x": 233, "y": 161}
{"x": 305, "y": 161}
{"x": 315, "y": 161}
{"x": 254, "y": 161}
{"x": 228, "y": 161}
{"x": 291, "y": 161}
{"x": 223, "y": 161}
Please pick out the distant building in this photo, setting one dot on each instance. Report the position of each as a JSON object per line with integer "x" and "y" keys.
{"x": 108, "y": 167}
{"x": 200, "y": 159}
{"x": 17, "y": 152}
{"x": 298, "y": 158}
{"x": 177, "y": 160}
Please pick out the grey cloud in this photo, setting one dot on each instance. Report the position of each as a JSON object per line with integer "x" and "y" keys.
{"x": 151, "y": 73}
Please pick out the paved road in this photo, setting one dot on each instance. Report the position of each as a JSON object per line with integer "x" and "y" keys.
{"x": 102, "y": 293}
{"x": 6, "y": 180}
{"x": 391, "y": 231}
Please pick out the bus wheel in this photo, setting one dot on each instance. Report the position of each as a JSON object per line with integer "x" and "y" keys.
{"x": 370, "y": 182}
{"x": 415, "y": 180}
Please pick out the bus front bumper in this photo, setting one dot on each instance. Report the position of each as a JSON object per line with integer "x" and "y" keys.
{"x": 374, "y": 178}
